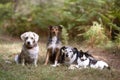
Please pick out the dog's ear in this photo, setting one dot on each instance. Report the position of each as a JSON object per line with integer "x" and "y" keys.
{"x": 50, "y": 27}
{"x": 81, "y": 51}
{"x": 63, "y": 47}
{"x": 23, "y": 36}
{"x": 75, "y": 49}
{"x": 88, "y": 54}
{"x": 36, "y": 36}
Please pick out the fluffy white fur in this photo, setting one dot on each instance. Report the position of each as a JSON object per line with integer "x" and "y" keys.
{"x": 30, "y": 47}
{"x": 30, "y": 37}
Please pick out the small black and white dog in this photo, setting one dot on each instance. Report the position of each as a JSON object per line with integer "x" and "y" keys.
{"x": 81, "y": 59}
{"x": 88, "y": 61}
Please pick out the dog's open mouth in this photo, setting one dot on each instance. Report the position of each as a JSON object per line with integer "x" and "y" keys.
{"x": 83, "y": 59}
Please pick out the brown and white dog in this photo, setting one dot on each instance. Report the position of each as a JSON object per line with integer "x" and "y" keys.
{"x": 30, "y": 49}
{"x": 53, "y": 45}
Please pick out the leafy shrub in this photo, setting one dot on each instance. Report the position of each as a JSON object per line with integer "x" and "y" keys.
{"x": 96, "y": 35}
{"x": 5, "y": 11}
{"x": 38, "y": 19}
{"x": 64, "y": 36}
{"x": 118, "y": 39}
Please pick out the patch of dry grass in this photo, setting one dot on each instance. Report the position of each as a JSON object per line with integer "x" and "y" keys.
{"x": 11, "y": 71}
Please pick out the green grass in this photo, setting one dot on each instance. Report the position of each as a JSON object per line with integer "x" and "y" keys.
{"x": 29, "y": 72}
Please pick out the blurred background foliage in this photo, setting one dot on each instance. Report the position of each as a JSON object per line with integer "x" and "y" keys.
{"x": 94, "y": 21}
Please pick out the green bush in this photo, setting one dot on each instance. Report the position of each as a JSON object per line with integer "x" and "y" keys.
{"x": 38, "y": 19}
{"x": 64, "y": 35}
{"x": 5, "y": 11}
{"x": 96, "y": 35}
{"x": 118, "y": 39}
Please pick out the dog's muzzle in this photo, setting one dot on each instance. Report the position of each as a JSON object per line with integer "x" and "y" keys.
{"x": 28, "y": 43}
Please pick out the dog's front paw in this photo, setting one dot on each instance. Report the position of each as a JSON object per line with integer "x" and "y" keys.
{"x": 54, "y": 65}
{"x": 77, "y": 66}
{"x": 58, "y": 64}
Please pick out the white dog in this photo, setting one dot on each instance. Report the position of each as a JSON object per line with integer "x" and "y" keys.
{"x": 30, "y": 49}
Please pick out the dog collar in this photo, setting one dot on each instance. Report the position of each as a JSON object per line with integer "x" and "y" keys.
{"x": 28, "y": 47}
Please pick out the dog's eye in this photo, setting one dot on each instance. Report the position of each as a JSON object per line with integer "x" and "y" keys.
{"x": 26, "y": 38}
{"x": 70, "y": 51}
{"x": 31, "y": 37}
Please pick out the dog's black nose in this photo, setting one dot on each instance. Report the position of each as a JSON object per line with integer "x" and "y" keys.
{"x": 53, "y": 32}
{"x": 28, "y": 43}
{"x": 66, "y": 55}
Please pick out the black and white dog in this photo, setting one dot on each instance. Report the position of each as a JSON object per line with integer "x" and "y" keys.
{"x": 71, "y": 56}
{"x": 81, "y": 59}
{"x": 86, "y": 60}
